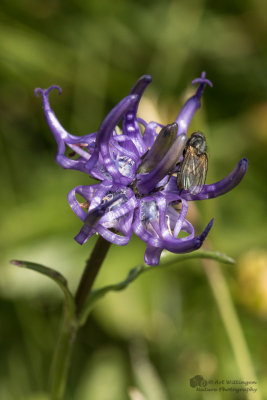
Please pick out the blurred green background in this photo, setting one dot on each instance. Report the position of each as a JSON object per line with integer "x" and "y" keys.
{"x": 146, "y": 342}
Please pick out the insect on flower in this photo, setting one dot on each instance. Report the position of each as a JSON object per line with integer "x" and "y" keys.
{"x": 192, "y": 171}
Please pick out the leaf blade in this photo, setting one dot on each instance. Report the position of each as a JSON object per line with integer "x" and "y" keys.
{"x": 51, "y": 273}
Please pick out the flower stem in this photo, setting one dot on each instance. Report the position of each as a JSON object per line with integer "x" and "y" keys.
{"x": 62, "y": 355}
{"x": 90, "y": 272}
{"x": 70, "y": 324}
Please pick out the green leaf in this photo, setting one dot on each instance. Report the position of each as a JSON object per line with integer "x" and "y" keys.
{"x": 171, "y": 258}
{"x": 166, "y": 260}
{"x": 55, "y": 276}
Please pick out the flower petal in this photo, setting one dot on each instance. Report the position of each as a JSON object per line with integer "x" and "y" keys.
{"x": 152, "y": 255}
{"x": 113, "y": 237}
{"x": 89, "y": 194}
{"x": 186, "y": 114}
{"x": 150, "y": 132}
{"x": 181, "y": 218}
{"x": 154, "y": 222}
{"x": 130, "y": 123}
{"x": 186, "y": 245}
{"x": 63, "y": 138}
{"x": 104, "y": 136}
{"x": 216, "y": 189}
{"x": 109, "y": 207}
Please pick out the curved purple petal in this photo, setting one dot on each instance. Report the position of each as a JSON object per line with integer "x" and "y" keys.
{"x": 123, "y": 224}
{"x": 104, "y": 136}
{"x": 130, "y": 123}
{"x": 99, "y": 170}
{"x": 181, "y": 218}
{"x": 140, "y": 221}
{"x": 96, "y": 225}
{"x": 151, "y": 133}
{"x": 216, "y": 189}
{"x": 125, "y": 151}
{"x": 175, "y": 218}
{"x": 114, "y": 237}
{"x": 64, "y": 138}
{"x": 109, "y": 207}
{"x": 85, "y": 233}
{"x": 141, "y": 121}
{"x": 122, "y": 210}
{"x": 167, "y": 233}
{"x": 186, "y": 114}
{"x": 152, "y": 224}
{"x": 152, "y": 255}
{"x": 93, "y": 216}
{"x": 157, "y": 231}
{"x": 202, "y": 81}
{"x": 140, "y": 86}
{"x": 187, "y": 245}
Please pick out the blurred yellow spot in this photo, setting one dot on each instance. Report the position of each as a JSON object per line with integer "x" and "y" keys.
{"x": 252, "y": 281}
{"x": 135, "y": 394}
{"x": 256, "y": 122}
{"x": 149, "y": 109}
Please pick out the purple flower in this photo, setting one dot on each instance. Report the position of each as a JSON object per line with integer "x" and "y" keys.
{"x": 137, "y": 191}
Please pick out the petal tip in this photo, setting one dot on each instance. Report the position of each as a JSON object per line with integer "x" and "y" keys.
{"x": 244, "y": 163}
{"x": 202, "y": 80}
{"x": 205, "y": 233}
{"x": 45, "y": 92}
{"x": 146, "y": 78}
{"x": 141, "y": 84}
{"x": 200, "y": 239}
{"x": 80, "y": 238}
{"x": 38, "y": 91}
{"x": 56, "y": 87}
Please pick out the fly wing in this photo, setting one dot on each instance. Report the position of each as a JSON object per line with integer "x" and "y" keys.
{"x": 192, "y": 172}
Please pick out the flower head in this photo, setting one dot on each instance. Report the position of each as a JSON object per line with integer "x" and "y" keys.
{"x": 137, "y": 191}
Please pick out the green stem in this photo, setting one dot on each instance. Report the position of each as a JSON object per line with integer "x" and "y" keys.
{"x": 90, "y": 272}
{"x": 62, "y": 355}
{"x": 70, "y": 325}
